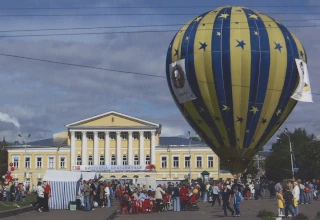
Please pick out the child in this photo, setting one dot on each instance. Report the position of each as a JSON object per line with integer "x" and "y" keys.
{"x": 280, "y": 203}
{"x": 237, "y": 199}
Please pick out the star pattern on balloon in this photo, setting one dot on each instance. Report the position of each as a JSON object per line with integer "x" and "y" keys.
{"x": 238, "y": 10}
{"x": 203, "y": 46}
{"x": 176, "y": 52}
{"x": 241, "y": 44}
{"x": 201, "y": 109}
{"x": 278, "y": 112}
{"x": 239, "y": 119}
{"x": 203, "y": 24}
{"x": 224, "y": 16}
{"x": 199, "y": 121}
{"x": 254, "y": 110}
{"x": 253, "y": 16}
{"x": 248, "y": 131}
{"x": 219, "y": 33}
{"x": 278, "y": 46}
{"x": 301, "y": 54}
{"x": 263, "y": 120}
{"x": 225, "y": 108}
{"x": 256, "y": 33}
{"x": 216, "y": 118}
{"x": 197, "y": 19}
{"x": 236, "y": 22}
{"x": 187, "y": 38}
{"x": 278, "y": 123}
{"x": 269, "y": 25}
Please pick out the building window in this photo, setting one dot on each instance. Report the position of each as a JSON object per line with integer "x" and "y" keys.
{"x": 163, "y": 162}
{"x": 101, "y": 160}
{"x": 16, "y": 162}
{"x": 135, "y": 136}
{"x": 175, "y": 162}
{"x": 124, "y": 136}
{"x": 62, "y": 162}
{"x": 147, "y": 159}
{"x": 90, "y": 160}
{"x": 199, "y": 162}
{"x": 147, "y": 135}
{"x": 113, "y": 160}
{"x": 210, "y": 162}
{"x": 112, "y": 136}
{"x": 124, "y": 160}
{"x": 51, "y": 163}
{"x": 79, "y": 161}
{"x": 187, "y": 162}
{"x": 28, "y": 163}
{"x": 101, "y": 136}
{"x": 90, "y": 136}
{"x": 39, "y": 162}
{"x": 136, "y": 160}
{"x": 78, "y": 136}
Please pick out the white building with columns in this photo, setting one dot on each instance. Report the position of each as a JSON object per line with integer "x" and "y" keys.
{"x": 118, "y": 140}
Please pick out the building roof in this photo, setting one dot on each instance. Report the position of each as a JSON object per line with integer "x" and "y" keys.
{"x": 178, "y": 141}
{"x": 115, "y": 113}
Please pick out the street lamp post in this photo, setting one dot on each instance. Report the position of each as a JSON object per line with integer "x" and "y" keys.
{"x": 25, "y": 152}
{"x": 291, "y": 152}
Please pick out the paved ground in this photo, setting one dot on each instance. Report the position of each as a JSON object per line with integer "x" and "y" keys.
{"x": 249, "y": 210}
{"x": 98, "y": 214}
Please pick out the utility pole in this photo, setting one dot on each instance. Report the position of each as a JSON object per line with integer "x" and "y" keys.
{"x": 189, "y": 158}
{"x": 25, "y": 152}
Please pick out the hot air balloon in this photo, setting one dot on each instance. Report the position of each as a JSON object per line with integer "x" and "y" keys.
{"x": 231, "y": 72}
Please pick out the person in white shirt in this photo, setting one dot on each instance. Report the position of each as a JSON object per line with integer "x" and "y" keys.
{"x": 296, "y": 196}
{"x": 107, "y": 194}
{"x": 40, "y": 196}
{"x": 159, "y": 196}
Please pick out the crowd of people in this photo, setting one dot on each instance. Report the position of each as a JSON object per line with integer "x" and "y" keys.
{"x": 13, "y": 192}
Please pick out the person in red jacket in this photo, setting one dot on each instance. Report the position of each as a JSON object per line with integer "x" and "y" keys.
{"x": 47, "y": 192}
{"x": 184, "y": 191}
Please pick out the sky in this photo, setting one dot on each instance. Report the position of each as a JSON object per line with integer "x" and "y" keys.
{"x": 42, "y": 97}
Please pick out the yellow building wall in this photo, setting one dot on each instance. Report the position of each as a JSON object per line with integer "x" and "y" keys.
{"x": 117, "y": 121}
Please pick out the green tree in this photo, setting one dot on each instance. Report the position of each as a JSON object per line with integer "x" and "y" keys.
{"x": 306, "y": 151}
{"x": 253, "y": 168}
{"x": 3, "y": 158}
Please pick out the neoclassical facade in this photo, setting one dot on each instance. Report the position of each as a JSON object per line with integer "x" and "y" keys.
{"x": 113, "y": 138}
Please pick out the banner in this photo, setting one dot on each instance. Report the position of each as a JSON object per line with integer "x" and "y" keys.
{"x": 179, "y": 82}
{"x": 303, "y": 91}
{"x": 108, "y": 168}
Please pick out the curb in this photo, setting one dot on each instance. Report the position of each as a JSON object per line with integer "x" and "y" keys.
{"x": 113, "y": 214}
{"x": 17, "y": 211}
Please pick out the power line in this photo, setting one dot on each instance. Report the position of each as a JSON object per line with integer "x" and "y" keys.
{"x": 146, "y": 7}
{"x": 139, "y": 14}
{"x": 136, "y": 32}
{"x": 105, "y": 69}
{"x": 132, "y": 26}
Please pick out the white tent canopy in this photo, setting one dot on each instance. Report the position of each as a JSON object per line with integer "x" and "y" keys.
{"x": 88, "y": 175}
{"x": 64, "y": 187}
{"x": 64, "y": 176}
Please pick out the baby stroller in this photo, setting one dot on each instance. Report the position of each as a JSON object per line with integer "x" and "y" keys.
{"x": 192, "y": 203}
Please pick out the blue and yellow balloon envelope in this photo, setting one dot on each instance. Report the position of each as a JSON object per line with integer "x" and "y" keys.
{"x": 231, "y": 72}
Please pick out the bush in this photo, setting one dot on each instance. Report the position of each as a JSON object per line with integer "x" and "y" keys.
{"x": 266, "y": 215}
{"x": 301, "y": 216}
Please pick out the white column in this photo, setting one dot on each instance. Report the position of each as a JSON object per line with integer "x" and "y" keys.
{"x": 130, "y": 156}
{"x": 141, "y": 157}
{"x": 107, "y": 148}
{"x": 72, "y": 148}
{"x": 84, "y": 148}
{"x": 95, "y": 148}
{"x": 119, "y": 148}
{"x": 153, "y": 147}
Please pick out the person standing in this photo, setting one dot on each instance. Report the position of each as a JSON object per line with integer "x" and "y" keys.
{"x": 280, "y": 203}
{"x": 47, "y": 193}
{"x": 40, "y": 196}
{"x": 226, "y": 199}
{"x": 176, "y": 199}
{"x": 158, "y": 196}
{"x": 288, "y": 198}
{"x": 107, "y": 195}
{"x": 296, "y": 197}
{"x": 237, "y": 199}
{"x": 215, "y": 194}
{"x": 86, "y": 194}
